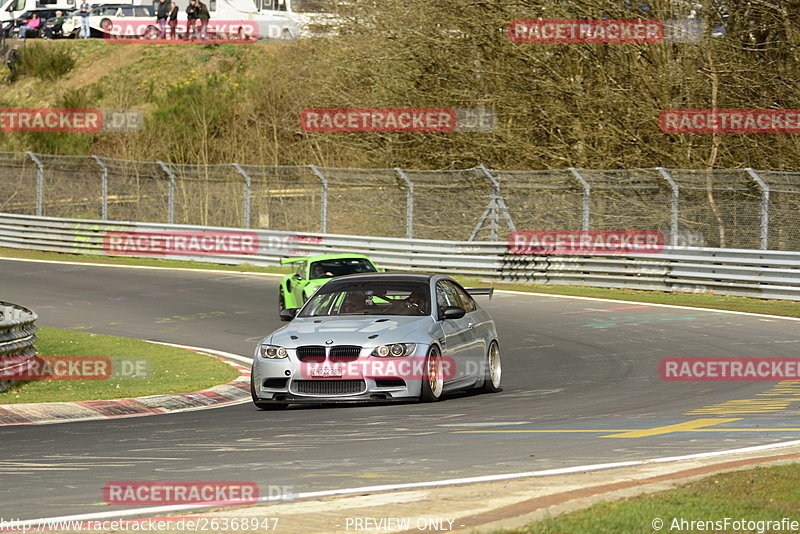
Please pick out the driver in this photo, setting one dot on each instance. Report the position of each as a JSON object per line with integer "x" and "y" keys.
{"x": 318, "y": 271}
{"x": 354, "y": 302}
{"x": 414, "y": 304}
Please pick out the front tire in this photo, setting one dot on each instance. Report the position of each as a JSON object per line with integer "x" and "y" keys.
{"x": 281, "y": 301}
{"x": 494, "y": 370}
{"x": 433, "y": 381}
{"x": 263, "y": 405}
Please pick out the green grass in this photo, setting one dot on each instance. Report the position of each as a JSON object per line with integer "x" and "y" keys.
{"x": 717, "y": 302}
{"x": 760, "y": 494}
{"x": 173, "y": 370}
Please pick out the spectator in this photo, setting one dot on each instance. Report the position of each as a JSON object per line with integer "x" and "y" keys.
{"x": 173, "y": 20}
{"x": 53, "y": 28}
{"x": 11, "y": 62}
{"x": 31, "y": 25}
{"x": 84, "y": 11}
{"x": 191, "y": 16}
{"x": 204, "y": 16}
{"x": 162, "y": 12}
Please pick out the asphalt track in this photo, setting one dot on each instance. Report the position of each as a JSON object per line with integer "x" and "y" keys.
{"x": 581, "y": 386}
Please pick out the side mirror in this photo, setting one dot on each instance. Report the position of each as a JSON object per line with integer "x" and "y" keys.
{"x": 454, "y": 312}
{"x": 288, "y": 314}
{"x": 296, "y": 276}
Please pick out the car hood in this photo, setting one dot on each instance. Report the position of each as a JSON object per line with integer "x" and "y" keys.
{"x": 366, "y": 331}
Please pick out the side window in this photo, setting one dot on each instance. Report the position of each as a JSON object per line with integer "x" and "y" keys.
{"x": 127, "y": 11}
{"x": 141, "y": 11}
{"x": 467, "y": 302}
{"x": 445, "y": 296}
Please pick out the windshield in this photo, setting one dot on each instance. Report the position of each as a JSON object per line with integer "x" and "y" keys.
{"x": 341, "y": 267}
{"x": 377, "y": 297}
{"x": 308, "y": 6}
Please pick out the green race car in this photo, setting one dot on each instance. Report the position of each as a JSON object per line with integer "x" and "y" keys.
{"x": 312, "y": 272}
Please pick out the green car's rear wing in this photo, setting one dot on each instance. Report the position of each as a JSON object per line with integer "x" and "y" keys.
{"x": 480, "y": 291}
{"x": 284, "y": 261}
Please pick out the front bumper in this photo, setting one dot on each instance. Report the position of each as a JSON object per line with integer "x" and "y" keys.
{"x": 284, "y": 381}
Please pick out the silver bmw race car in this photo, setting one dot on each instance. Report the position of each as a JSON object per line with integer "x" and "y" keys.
{"x": 378, "y": 337}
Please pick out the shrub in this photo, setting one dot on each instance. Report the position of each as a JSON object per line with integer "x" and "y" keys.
{"x": 47, "y": 61}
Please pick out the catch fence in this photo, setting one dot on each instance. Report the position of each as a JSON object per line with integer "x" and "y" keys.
{"x": 720, "y": 208}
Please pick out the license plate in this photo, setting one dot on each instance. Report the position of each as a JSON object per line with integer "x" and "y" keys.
{"x": 326, "y": 372}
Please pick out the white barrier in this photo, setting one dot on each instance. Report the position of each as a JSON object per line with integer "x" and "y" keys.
{"x": 751, "y": 273}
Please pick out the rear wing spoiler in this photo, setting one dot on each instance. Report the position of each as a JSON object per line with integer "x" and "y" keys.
{"x": 284, "y": 261}
{"x": 481, "y": 291}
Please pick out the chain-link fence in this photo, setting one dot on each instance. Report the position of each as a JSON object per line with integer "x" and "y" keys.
{"x": 728, "y": 208}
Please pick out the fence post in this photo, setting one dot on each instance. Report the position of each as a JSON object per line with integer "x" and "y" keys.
{"x": 673, "y": 221}
{"x": 39, "y": 184}
{"x": 499, "y": 203}
{"x": 171, "y": 197}
{"x": 104, "y": 169}
{"x": 247, "y": 194}
{"x": 324, "y": 214}
{"x": 409, "y": 202}
{"x": 764, "y": 207}
{"x": 587, "y": 194}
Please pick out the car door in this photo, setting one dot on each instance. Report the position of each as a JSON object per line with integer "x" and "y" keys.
{"x": 480, "y": 326}
{"x": 297, "y": 282}
{"x": 457, "y": 349}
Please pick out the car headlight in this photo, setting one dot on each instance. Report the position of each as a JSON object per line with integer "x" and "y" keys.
{"x": 272, "y": 352}
{"x": 396, "y": 349}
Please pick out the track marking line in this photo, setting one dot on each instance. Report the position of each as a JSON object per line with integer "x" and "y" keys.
{"x": 416, "y": 485}
{"x": 674, "y": 306}
{"x": 669, "y": 429}
{"x": 606, "y": 310}
{"x": 147, "y": 267}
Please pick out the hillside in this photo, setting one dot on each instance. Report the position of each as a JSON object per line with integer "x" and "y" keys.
{"x": 557, "y": 105}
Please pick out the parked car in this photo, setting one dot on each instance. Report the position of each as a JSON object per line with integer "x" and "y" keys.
{"x": 102, "y": 18}
{"x": 11, "y": 27}
{"x": 11, "y": 10}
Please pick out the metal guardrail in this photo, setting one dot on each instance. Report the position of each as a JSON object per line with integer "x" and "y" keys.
{"x": 17, "y": 336}
{"x": 737, "y": 272}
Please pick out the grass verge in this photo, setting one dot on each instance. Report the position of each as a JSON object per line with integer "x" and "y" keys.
{"x": 172, "y": 370}
{"x": 759, "y": 494}
{"x": 717, "y": 302}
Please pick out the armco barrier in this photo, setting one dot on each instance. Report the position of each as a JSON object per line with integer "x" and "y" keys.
{"x": 751, "y": 273}
{"x": 17, "y": 336}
